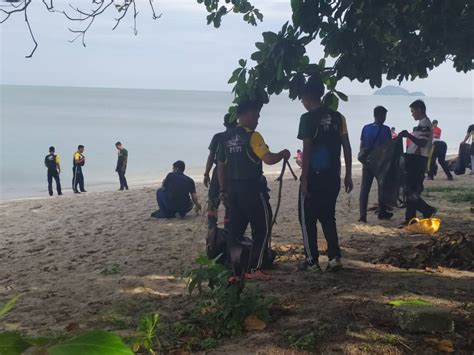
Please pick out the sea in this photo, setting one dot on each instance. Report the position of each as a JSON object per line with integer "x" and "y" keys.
{"x": 159, "y": 127}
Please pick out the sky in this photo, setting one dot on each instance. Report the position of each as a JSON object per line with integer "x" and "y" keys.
{"x": 178, "y": 51}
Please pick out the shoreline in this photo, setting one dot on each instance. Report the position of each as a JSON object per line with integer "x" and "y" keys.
{"x": 99, "y": 187}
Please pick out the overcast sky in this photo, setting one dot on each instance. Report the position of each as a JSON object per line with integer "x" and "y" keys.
{"x": 177, "y": 51}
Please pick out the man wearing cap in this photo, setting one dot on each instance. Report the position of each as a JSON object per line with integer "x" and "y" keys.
{"x": 177, "y": 195}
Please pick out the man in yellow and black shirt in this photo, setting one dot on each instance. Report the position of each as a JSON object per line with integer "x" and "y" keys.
{"x": 78, "y": 162}
{"x": 51, "y": 161}
{"x": 242, "y": 184}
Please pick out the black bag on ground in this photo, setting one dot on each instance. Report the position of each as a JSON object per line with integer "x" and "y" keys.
{"x": 234, "y": 254}
{"x": 385, "y": 163}
{"x": 464, "y": 159}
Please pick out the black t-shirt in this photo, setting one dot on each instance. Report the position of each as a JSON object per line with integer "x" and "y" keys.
{"x": 325, "y": 128}
{"x": 178, "y": 187}
{"x": 214, "y": 145}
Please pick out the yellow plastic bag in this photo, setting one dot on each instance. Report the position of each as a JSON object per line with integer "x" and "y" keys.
{"x": 423, "y": 225}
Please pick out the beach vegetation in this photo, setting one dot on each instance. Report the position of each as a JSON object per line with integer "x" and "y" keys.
{"x": 453, "y": 194}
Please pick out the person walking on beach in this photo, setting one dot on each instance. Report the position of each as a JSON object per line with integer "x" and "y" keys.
{"x": 438, "y": 153}
{"x": 470, "y": 135}
{"x": 299, "y": 158}
{"x": 51, "y": 161}
{"x": 416, "y": 158}
{"x": 373, "y": 135}
{"x": 323, "y": 132}
{"x": 173, "y": 196}
{"x": 122, "y": 161}
{"x": 243, "y": 187}
{"x": 213, "y": 182}
{"x": 78, "y": 162}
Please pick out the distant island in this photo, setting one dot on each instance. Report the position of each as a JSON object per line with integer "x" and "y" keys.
{"x": 397, "y": 90}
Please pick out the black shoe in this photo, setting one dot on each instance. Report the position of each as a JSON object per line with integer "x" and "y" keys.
{"x": 305, "y": 266}
{"x": 403, "y": 224}
{"x": 431, "y": 213}
{"x": 126, "y": 187}
{"x": 385, "y": 215}
{"x": 50, "y": 194}
{"x": 429, "y": 177}
{"x": 363, "y": 219}
{"x": 60, "y": 193}
{"x": 76, "y": 192}
{"x": 83, "y": 191}
{"x": 121, "y": 189}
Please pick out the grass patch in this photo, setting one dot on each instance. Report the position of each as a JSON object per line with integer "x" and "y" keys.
{"x": 306, "y": 342}
{"x": 414, "y": 302}
{"x": 453, "y": 194}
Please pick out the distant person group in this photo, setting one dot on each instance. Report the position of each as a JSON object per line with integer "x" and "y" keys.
{"x": 53, "y": 166}
{"x": 234, "y": 176}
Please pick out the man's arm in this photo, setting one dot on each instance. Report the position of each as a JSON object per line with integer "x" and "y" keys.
{"x": 274, "y": 158}
{"x": 261, "y": 150}
{"x": 346, "y": 147}
{"x": 209, "y": 164}
{"x": 307, "y": 151}
{"x": 196, "y": 201}
{"x": 420, "y": 142}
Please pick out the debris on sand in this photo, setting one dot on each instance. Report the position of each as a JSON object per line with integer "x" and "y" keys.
{"x": 454, "y": 250}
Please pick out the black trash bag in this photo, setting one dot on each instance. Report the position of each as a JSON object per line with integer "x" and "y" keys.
{"x": 464, "y": 159}
{"x": 385, "y": 162}
{"x": 234, "y": 254}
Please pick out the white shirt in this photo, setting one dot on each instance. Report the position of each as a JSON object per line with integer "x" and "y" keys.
{"x": 424, "y": 131}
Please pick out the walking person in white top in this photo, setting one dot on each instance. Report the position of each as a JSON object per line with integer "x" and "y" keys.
{"x": 416, "y": 158}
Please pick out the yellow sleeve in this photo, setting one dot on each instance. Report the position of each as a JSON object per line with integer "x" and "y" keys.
{"x": 77, "y": 156}
{"x": 258, "y": 145}
{"x": 343, "y": 126}
{"x": 57, "y": 159}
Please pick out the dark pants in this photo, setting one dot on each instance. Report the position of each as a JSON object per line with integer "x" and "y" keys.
{"x": 415, "y": 166}
{"x": 365, "y": 186}
{"x": 439, "y": 153}
{"x": 319, "y": 206}
{"x": 166, "y": 208}
{"x": 122, "y": 179}
{"x": 53, "y": 174}
{"x": 249, "y": 203}
{"x": 77, "y": 179}
{"x": 214, "y": 202}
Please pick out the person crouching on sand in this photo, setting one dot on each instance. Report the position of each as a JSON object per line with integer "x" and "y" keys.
{"x": 173, "y": 197}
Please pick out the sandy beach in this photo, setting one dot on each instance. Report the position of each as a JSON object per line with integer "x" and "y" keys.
{"x": 100, "y": 260}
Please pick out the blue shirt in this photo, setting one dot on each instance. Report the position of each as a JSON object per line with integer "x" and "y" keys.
{"x": 374, "y": 135}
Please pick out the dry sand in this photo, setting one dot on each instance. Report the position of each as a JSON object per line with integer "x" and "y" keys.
{"x": 98, "y": 259}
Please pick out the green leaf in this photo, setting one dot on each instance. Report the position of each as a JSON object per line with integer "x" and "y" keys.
{"x": 12, "y": 343}
{"x": 331, "y": 101}
{"x": 342, "y": 96}
{"x": 413, "y": 302}
{"x": 8, "y": 306}
{"x": 242, "y": 63}
{"x": 96, "y": 342}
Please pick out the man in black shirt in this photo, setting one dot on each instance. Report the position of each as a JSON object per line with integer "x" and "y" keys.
{"x": 213, "y": 183}
{"x": 173, "y": 197}
{"x": 122, "y": 161}
{"x": 51, "y": 161}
